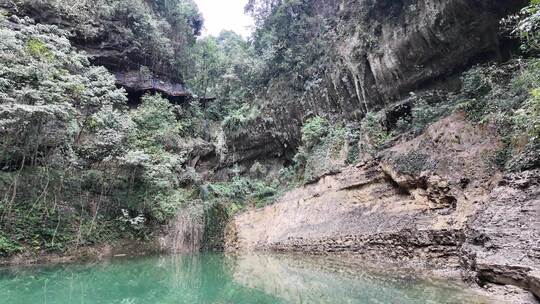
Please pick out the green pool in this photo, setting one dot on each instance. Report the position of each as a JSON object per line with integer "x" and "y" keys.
{"x": 215, "y": 278}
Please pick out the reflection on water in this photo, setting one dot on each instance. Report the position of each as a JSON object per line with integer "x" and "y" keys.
{"x": 302, "y": 279}
{"x": 211, "y": 278}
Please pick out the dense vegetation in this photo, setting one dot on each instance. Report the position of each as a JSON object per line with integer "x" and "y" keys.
{"x": 78, "y": 168}
{"x": 155, "y": 34}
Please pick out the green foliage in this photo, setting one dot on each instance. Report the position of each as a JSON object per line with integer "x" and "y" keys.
{"x": 48, "y": 94}
{"x": 325, "y": 158}
{"x": 528, "y": 117}
{"x": 155, "y": 124}
{"x": 209, "y": 61}
{"x": 323, "y": 150}
{"x": 533, "y": 111}
{"x": 502, "y": 157}
{"x": 506, "y": 96}
{"x": 39, "y": 49}
{"x": 168, "y": 203}
{"x": 160, "y": 31}
{"x": 8, "y": 247}
{"x": 76, "y": 168}
{"x": 484, "y": 91}
{"x": 425, "y": 113}
{"x": 223, "y": 68}
{"x": 216, "y": 218}
{"x": 368, "y": 136}
{"x": 353, "y": 153}
{"x": 413, "y": 163}
{"x": 56, "y": 214}
{"x": 313, "y": 131}
{"x": 193, "y": 122}
{"x": 240, "y": 192}
{"x": 237, "y": 121}
{"x": 158, "y": 157}
{"x": 289, "y": 38}
{"x": 526, "y": 26}
{"x": 496, "y": 92}
{"x": 372, "y": 128}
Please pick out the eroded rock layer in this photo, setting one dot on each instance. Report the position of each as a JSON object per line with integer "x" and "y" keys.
{"x": 433, "y": 201}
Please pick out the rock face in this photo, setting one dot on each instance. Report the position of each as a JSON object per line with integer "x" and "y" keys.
{"x": 359, "y": 211}
{"x": 136, "y": 84}
{"x": 380, "y": 51}
{"x": 106, "y": 43}
{"x": 503, "y": 237}
{"x": 420, "y": 41}
{"x": 432, "y": 202}
{"x": 419, "y": 196}
{"x": 258, "y": 141}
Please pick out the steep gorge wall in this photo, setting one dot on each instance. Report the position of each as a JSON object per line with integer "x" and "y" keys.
{"x": 416, "y": 194}
{"x": 431, "y": 202}
{"x": 377, "y": 52}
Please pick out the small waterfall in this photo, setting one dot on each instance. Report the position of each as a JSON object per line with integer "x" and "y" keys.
{"x": 185, "y": 232}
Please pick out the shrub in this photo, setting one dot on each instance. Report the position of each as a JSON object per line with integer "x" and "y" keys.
{"x": 85, "y": 158}
{"x": 526, "y": 26}
{"x": 313, "y": 131}
{"x": 509, "y": 102}
{"x": 373, "y": 131}
{"x": 238, "y": 119}
{"x": 424, "y": 113}
{"x": 413, "y": 163}
{"x": 322, "y": 151}
{"x": 39, "y": 49}
{"x": 528, "y": 117}
{"x": 240, "y": 192}
{"x": 8, "y": 247}
{"x": 160, "y": 31}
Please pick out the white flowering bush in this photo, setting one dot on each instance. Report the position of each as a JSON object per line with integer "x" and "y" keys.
{"x": 49, "y": 96}
{"x": 76, "y": 167}
{"x": 136, "y": 222}
{"x": 160, "y": 31}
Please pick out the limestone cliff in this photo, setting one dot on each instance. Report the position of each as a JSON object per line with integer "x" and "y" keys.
{"x": 433, "y": 201}
{"x": 377, "y": 52}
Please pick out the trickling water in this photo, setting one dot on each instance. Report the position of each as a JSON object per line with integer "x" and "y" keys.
{"x": 186, "y": 234}
{"x": 214, "y": 278}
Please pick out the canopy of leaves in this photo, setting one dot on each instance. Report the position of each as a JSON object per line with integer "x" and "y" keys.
{"x": 76, "y": 167}
{"x": 526, "y": 26}
{"x": 158, "y": 33}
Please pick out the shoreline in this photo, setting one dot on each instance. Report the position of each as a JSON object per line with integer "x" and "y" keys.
{"x": 332, "y": 263}
{"x": 88, "y": 254}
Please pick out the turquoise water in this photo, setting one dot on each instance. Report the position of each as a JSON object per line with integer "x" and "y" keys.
{"x": 213, "y": 278}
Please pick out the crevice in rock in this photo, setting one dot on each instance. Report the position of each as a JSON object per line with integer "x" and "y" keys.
{"x": 135, "y": 96}
{"x": 400, "y": 188}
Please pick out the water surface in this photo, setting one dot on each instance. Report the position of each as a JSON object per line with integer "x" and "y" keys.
{"x": 214, "y": 278}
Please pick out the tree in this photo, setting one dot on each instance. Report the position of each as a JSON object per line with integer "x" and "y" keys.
{"x": 526, "y": 26}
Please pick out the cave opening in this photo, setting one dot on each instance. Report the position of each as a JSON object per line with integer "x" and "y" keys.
{"x": 135, "y": 97}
